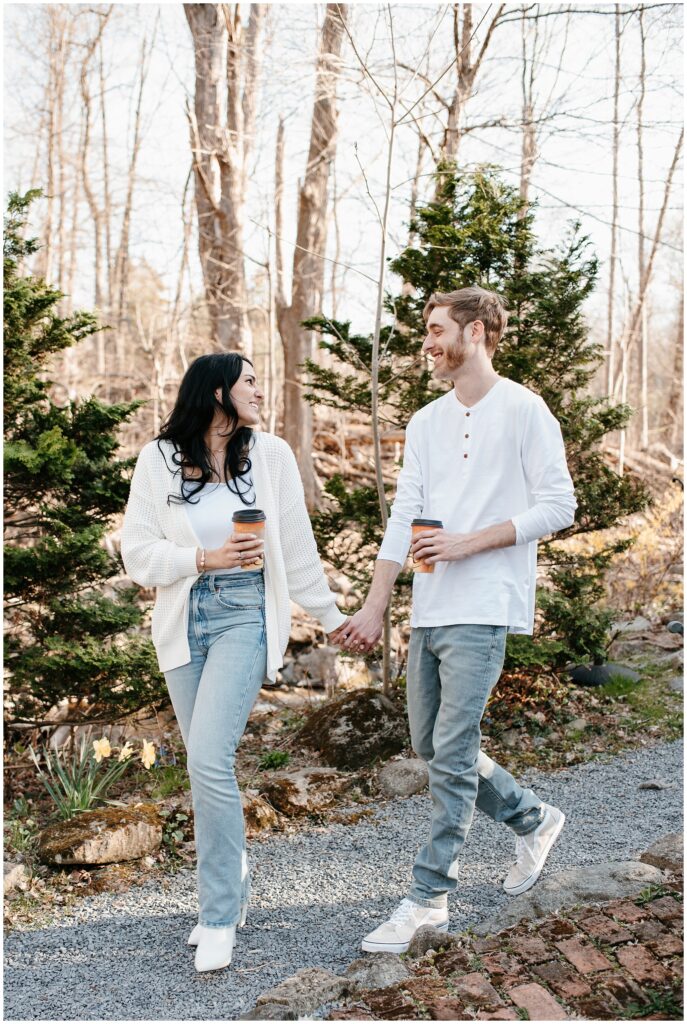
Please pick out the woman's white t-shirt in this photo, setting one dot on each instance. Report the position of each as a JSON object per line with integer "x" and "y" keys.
{"x": 210, "y": 511}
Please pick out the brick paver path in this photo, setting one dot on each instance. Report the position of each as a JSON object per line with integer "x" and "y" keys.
{"x": 621, "y": 959}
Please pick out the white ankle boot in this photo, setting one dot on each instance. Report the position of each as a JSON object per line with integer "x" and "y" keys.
{"x": 215, "y": 946}
{"x": 194, "y": 937}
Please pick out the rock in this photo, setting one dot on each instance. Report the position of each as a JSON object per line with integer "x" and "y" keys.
{"x": 354, "y": 673}
{"x": 356, "y": 729}
{"x": 677, "y": 683}
{"x": 655, "y": 784}
{"x": 510, "y": 737}
{"x": 377, "y": 970}
{"x": 258, "y": 814}
{"x": 13, "y": 875}
{"x": 302, "y": 994}
{"x": 321, "y": 668}
{"x": 316, "y": 668}
{"x": 269, "y": 1011}
{"x": 427, "y": 938}
{"x": 637, "y": 625}
{"x": 404, "y": 777}
{"x": 304, "y": 629}
{"x": 666, "y": 853}
{"x": 593, "y": 883}
{"x": 599, "y": 675}
{"x": 104, "y": 836}
{"x": 576, "y": 725}
{"x": 303, "y": 791}
{"x": 674, "y": 659}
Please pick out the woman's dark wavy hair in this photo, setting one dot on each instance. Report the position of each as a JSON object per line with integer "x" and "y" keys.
{"x": 191, "y": 417}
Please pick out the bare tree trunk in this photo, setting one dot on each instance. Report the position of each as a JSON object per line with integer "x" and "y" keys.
{"x": 311, "y": 234}
{"x": 121, "y": 266}
{"x": 674, "y": 404}
{"x": 644, "y": 341}
{"x": 466, "y": 72}
{"x": 610, "y": 340}
{"x": 57, "y": 33}
{"x": 415, "y": 187}
{"x": 279, "y": 297}
{"x": 633, "y": 323}
{"x": 649, "y": 264}
{"x": 221, "y": 147}
{"x": 107, "y": 196}
{"x": 61, "y": 231}
{"x": 95, "y": 210}
{"x": 529, "y": 137}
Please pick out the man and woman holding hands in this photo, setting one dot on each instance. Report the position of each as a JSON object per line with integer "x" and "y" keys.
{"x": 486, "y": 461}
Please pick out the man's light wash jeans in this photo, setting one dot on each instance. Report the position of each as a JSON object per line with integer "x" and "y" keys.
{"x": 451, "y": 671}
{"x": 212, "y": 697}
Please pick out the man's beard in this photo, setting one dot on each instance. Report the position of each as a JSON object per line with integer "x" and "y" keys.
{"x": 454, "y": 355}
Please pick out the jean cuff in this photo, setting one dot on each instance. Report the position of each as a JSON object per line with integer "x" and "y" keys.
{"x": 213, "y": 924}
{"x": 439, "y": 902}
{"x": 530, "y": 821}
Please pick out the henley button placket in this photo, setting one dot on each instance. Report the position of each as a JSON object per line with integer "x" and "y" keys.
{"x": 467, "y": 437}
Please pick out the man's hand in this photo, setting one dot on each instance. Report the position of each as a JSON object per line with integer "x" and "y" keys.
{"x": 335, "y": 637}
{"x": 360, "y": 633}
{"x": 439, "y": 546}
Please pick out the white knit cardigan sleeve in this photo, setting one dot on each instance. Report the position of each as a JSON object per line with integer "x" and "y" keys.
{"x": 150, "y": 559}
{"x": 305, "y": 576}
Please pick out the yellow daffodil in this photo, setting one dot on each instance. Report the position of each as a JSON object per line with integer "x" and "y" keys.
{"x": 148, "y": 754}
{"x": 126, "y": 752}
{"x": 102, "y": 748}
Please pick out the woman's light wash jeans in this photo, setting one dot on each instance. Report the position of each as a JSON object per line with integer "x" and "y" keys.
{"x": 451, "y": 671}
{"x": 212, "y": 697}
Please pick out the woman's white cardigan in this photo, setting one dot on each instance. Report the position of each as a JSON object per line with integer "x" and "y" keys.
{"x": 159, "y": 549}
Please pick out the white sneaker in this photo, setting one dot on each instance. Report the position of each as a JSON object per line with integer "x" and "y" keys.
{"x": 395, "y": 934}
{"x": 531, "y": 851}
{"x": 215, "y": 946}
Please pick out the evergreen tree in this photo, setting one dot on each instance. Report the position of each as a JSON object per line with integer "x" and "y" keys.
{"x": 63, "y": 483}
{"x": 477, "y": 231}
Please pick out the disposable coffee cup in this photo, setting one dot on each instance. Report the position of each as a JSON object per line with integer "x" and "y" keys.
{"x": 420, "y": 526}
{"x": 250, "y": 520}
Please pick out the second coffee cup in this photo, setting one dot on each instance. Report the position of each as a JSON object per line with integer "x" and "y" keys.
{"x": 250, "y": 520}
{"x": 420, "y": 526}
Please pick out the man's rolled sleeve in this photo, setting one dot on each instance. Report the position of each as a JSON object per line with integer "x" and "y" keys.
{"x": 408, "y": 504}
{"x": 546, "y": 471}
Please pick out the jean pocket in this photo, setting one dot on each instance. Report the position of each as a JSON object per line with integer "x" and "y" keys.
{"x": 244, "y": 597}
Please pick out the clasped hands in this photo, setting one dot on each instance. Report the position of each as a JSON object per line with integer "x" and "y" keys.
{"x": 361, "y": 633}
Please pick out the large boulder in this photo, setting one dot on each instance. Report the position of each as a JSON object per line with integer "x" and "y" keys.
{"x": 104, "y": 836}
{"x": 356, "y": 729}
{"x": 593, "y": 883}
{"x": 303, "y": 791}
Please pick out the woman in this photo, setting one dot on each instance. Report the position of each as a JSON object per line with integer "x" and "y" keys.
{"x": 220, "y": 624}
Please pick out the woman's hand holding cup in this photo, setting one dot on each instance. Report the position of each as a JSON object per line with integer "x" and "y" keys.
{"x": 238, "y": 550}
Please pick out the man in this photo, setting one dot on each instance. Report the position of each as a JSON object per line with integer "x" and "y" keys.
{"x": 487, "y": 459}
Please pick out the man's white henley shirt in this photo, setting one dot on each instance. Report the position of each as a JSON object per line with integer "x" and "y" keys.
{"x": 500, "y": 459}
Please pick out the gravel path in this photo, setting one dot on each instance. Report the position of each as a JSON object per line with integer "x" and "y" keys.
{"x": 124, "y": 956}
